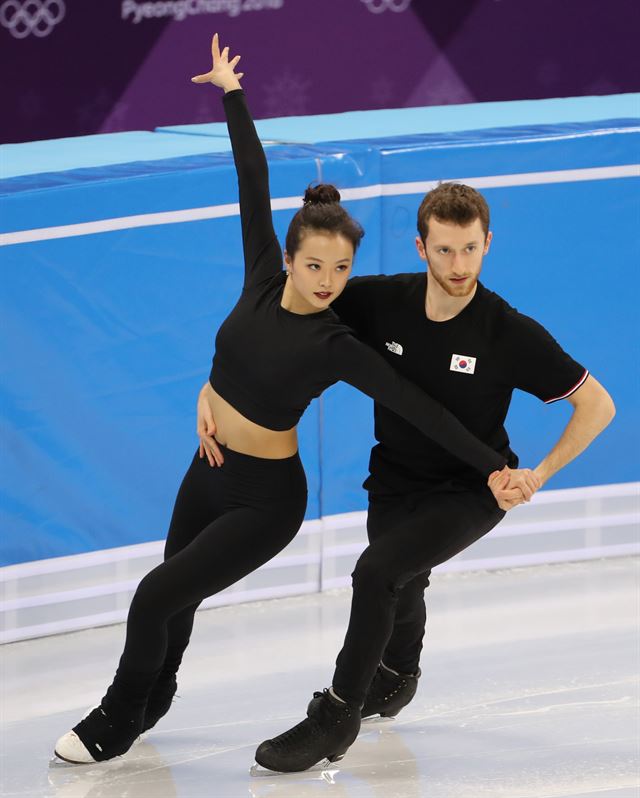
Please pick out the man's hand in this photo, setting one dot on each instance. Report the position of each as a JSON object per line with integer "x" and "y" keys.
{"x": 206, "y": 429}
{"x": 511, "y": 487}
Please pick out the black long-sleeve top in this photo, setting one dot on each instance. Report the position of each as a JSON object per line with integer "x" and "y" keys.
{"x": 270, "y": 363}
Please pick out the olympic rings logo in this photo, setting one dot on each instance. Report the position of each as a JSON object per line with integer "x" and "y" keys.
{"x": 33, "y": 16}
{"x": 378, "y": 6}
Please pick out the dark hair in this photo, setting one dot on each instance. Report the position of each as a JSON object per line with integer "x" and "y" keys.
{"x": 453, "y": 202}
{"x": 322, "y": 213}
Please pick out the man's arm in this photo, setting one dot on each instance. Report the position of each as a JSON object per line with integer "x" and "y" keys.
{"x": 593, "y": 410}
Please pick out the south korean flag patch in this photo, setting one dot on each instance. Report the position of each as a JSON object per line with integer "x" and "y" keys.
{"x": 464, "y": 363}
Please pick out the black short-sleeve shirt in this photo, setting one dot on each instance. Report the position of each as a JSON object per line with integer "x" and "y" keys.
{"x": 470, "y": 364}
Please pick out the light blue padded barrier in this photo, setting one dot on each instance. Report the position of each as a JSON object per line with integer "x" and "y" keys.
{"x": 78, "y": 152}
{"x": 432, "y": 119}
{"x": 110, "y": 325}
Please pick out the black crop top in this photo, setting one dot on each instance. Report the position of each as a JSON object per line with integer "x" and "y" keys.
{"x": 270, "y": 363}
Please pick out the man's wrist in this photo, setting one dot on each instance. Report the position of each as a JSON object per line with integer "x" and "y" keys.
{"x": 542, "y": 473}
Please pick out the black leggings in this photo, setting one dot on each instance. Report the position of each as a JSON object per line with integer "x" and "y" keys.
{"x": 226, "y": 522}
{"x": 408, "y": 536}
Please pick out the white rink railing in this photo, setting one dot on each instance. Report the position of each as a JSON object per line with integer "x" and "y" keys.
{"x": 86, "y": 590}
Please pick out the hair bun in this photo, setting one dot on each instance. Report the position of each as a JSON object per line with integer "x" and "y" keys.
{"x": 322, "y": 194}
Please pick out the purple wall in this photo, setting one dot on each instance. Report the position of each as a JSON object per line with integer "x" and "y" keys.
{"x": 73, "y": 67}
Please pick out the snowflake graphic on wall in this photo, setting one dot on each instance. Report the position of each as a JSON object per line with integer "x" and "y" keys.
{"x": 287, "y": 95}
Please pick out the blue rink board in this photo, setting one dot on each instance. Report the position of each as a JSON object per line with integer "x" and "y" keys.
{"x": 110, "y": 335}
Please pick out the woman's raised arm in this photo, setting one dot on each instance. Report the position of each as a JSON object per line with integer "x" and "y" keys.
{"x": 262, "y": 253}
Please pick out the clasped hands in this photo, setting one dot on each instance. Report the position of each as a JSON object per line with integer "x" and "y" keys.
{"x": 513, "y": 486}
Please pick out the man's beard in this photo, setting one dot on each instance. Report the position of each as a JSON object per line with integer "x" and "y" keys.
{"x": 455, "y": 290}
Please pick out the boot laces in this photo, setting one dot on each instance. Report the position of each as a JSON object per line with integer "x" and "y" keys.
{"x": 299, "y": 733}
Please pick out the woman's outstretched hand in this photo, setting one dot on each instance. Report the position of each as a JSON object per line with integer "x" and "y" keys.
{"x": 222, "y": 73}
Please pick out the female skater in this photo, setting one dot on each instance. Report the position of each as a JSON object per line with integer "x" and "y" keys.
{"x": 280, "y": 347}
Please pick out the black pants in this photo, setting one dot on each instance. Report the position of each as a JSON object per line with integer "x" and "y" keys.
{"x": 226, "y": 522}
{"x": 408, "y": 536}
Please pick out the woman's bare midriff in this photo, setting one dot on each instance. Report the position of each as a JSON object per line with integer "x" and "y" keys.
{"x": 236, "y": 432}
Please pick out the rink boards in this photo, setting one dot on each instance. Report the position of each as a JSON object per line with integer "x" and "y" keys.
{"x": 118, "y": 271}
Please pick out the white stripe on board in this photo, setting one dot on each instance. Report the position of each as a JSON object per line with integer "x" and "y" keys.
{"x": 137, "y": 551}
{"x": 120, "y": 616}
{"x": 287, "y": 203}
{"x": 115, "y": 588}
{"x": 504, "y": 181}
{"x": 456, "y": 565}
{"x": 504, "y": 530}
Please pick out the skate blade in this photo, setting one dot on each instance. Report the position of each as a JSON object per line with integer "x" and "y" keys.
{"x": 324, "y": 766}
{"x": 378, "y": 719}
{"x": 60, "y": 761}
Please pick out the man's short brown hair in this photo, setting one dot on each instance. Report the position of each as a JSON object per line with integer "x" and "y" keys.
{"x": 455, "y": 203}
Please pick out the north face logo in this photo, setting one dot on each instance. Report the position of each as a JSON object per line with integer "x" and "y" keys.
{"x": 394, "y": 347}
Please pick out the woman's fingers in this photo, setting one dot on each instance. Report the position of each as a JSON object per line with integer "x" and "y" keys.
{"x": 217, "y": 454}
{"x": 205, "y": 449}
{"x": 508, "y": 504}
{"x": 524, "y": 487}
{"x": 530, "y": 483}
{"x": 492, "y": 477}
{"x": 214, "y": 455}
{"x": 221, "y": 65}
{"x": 495, "y": 478}
{"x": 513, "y": 494}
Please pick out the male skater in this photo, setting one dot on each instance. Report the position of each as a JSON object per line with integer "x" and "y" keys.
{"x": 466, "y": 347}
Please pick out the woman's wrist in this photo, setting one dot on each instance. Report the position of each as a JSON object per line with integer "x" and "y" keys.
{"x": 231, "y": 86}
